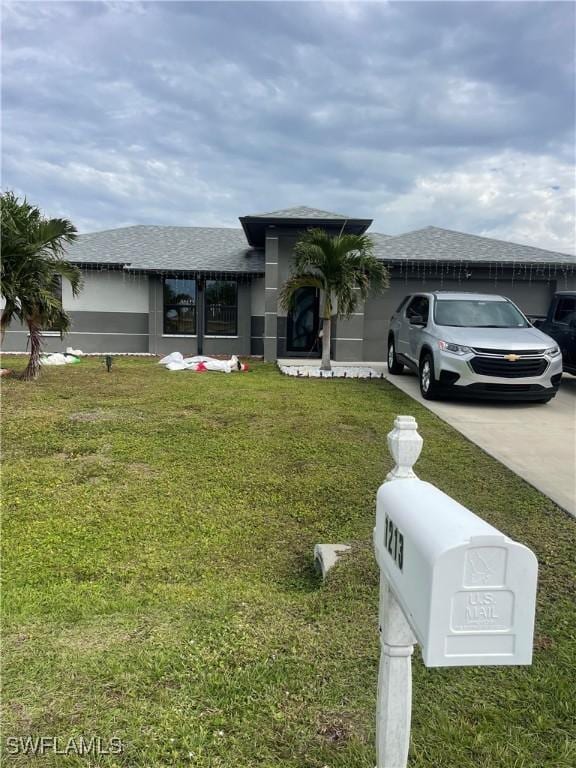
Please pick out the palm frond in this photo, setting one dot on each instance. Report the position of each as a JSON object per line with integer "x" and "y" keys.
{"x": 71, "y": 273}
{"x": 303, "y": 280}
{"x": 343, "y": 263}
{"x": 32, "y": 250}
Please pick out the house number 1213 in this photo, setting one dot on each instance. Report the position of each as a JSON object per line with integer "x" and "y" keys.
{"x": 394, "y": 542}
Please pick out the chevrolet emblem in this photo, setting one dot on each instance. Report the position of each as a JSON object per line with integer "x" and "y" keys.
{"x": 512, "y": 358}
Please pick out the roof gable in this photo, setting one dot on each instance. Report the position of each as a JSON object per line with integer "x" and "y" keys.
{"x": 299, "y": 218}
{"x": 300, "y": 212}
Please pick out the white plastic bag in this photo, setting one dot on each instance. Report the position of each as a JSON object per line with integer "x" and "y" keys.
{"x": 173, "y": 357}
{"x": 57, "y": 358}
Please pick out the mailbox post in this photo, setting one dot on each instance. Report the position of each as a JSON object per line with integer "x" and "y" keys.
{"x": 449, "y": 581}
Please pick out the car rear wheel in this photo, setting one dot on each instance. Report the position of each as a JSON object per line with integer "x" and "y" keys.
{"x": 394, "y": 366}
{"x": 428, "y": 384}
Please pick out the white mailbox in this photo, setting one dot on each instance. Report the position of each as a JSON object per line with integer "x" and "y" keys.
{"x": 467, "y": 590}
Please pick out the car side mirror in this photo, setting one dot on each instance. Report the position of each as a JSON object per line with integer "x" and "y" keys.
{"x": 417, "y": 320}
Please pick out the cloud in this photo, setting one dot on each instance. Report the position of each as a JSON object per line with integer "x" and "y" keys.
{"x": 196, "y": 113}
{"x": 510, "y": 196}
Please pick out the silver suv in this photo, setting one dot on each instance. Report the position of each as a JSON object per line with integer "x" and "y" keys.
{"x": 473, "y": 344}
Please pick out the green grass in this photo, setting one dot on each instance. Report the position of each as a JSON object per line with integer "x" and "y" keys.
{"x": 158, "y": 581}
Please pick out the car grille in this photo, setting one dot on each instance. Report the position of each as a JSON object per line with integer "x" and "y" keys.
{"x": 493, "y": 366}
{"x": 520, "y": 352}
{"x": 503, "y": 389}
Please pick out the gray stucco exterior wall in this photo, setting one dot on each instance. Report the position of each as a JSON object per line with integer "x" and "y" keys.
{"x": 567, "y": 283}
{"x": 271, "y": 257}
{"x": 95, "y": 342}
{"x": 257, "y": 320}
{"x": 104, "y": 319}
{"x": 109, "y": 315}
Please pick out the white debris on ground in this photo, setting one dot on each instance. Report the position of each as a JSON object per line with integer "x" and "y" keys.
{"x": 337, "y": 372}
{"x": 62, "y": 358}
{"x": 176, "y": 361}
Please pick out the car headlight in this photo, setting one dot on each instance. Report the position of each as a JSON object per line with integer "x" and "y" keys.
{"x": 456, "y": 349}
{"x": 552, "y": 351}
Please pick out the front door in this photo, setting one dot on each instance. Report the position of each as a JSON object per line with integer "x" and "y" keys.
{"x": 303, "y": 324}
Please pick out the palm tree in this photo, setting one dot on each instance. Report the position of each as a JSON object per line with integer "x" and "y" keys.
{"x": 342, "y": 267}
{"x": 32, "y": 250}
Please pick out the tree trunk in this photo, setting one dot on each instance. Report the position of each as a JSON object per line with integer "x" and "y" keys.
{"x": 33, "y": 367}
{"x": 326, "y": 342}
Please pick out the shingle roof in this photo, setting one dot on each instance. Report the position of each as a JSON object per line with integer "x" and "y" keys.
{"x": 157, "y": 248}
{"x": 436, "y": 244}
{"x": 211, "y": 249}
{"x": 300, "y": 212}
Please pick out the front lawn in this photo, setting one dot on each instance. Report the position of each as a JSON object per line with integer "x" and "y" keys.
{"x": 158, "y": 580}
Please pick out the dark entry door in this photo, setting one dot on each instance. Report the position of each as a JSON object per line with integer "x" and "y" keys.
{"x": 303, "y": 323}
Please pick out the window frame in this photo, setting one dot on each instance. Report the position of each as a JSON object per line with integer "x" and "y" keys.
{"x": 178, "y": 306}
{"x": 225, "y": 334}
{"x": 420, "y": 298}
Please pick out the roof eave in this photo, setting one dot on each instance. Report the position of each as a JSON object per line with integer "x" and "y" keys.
{"x": 475, "y": 262}
{"x": 255, "y": 226}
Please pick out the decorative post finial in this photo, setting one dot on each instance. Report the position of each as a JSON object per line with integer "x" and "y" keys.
{"x": 405, "y": 445}
{"x": 394, "y": 706}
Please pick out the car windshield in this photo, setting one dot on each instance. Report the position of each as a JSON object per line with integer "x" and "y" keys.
{"x": 475, "y": 313}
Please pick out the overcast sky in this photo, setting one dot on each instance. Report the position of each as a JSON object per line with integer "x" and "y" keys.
{"x": 459, "y": 115}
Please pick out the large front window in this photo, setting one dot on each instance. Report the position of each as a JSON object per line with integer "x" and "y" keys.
{"x": 179, "y": 306}
{"x": 221, "y": 302}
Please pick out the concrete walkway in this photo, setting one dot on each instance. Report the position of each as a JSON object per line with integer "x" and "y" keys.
{"x": 536, "y": 441}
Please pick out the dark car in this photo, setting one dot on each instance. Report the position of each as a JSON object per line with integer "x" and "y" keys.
{"x": 560, "y": 324}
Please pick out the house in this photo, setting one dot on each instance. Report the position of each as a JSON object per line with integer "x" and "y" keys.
{"x": 212, "y": 291}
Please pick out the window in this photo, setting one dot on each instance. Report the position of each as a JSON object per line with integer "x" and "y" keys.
{"x": 221, "y": 301}
{"x": 418, "y": 306}
{"x": 474, "y": 313}
{"x": 565, "y": 309}
{"x": 179, "y": 306}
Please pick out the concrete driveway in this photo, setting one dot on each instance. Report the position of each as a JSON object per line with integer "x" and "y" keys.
{"x": 536, "y": 441}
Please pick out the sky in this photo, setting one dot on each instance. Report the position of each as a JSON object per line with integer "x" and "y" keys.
{"x": 457, "y": 115}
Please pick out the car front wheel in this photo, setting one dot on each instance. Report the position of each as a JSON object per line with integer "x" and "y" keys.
{"x": 428, "y": 384}
{"x": 394, "y": 366}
